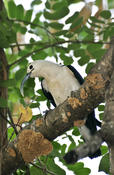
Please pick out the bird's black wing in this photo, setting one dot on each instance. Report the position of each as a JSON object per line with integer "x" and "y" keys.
{"x": 48, "y": 95}
{"x": 91, "y": 122}
{"x": 76, "y": 74}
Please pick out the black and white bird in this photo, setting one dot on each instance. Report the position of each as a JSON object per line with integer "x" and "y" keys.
{"x": 57, "y": 84}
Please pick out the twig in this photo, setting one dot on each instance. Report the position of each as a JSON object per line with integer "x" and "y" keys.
{"x": 16, "y": 125}
{"x": 6, "y": 119}
{"x": 61, "y": 42}
{"x": 37, "y": 166}
{"x": 13, "y": 125}
{"x": 36, "y": 25}
{"x": 27, "y": 44}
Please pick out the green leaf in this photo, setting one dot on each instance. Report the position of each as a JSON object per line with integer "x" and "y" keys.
{"x": 104, "y": 149}
{"x": 84, "y": 60}
{"x": 11, "y": 131}
{"x": 36, "y": 19}
{"x": 56, "y": 149}
{"x": 106, "y": 34}
{"x": 79, "y": 53}
{"x": 56, "y": 25}
{"x": 3, "y": 102}
{"x": 72, "y": 146}
{"x": 74, "y": 46}
{"x": 67, "y": 60}
{"x": 89, "y": 67}
{"x": 54, "y": 167}
{"x": 7, "y": 34}
{"x": 47, "y": 4}
{"x": 42, "y": 55}
{"x": 105, "y": 14}
{"x": 19, "y": 74}
{"x": 71, "y": 138}
{"x": 59, "y": 5}
{"x": 101, "y": 115}
{"x": 35, "y": 105}
{"x": 104, "y": 164}
{"x": 3, "y": 41}
{"x": 29, "y": 87}
{"x": 8, "y": 83}
{"x": 95, "y": 20}
{"x": 95, "y": 25}
{"x": 14, "y": 95}
{"x": 12, "y": 9}
{"x": 34, "y": 171}
{"x": 41, "y": 97}
{"x": 101, "y": 107}
{"x": 82, "y": 35}
{"x": 76, "y": 131}
{"x": 20, "y": 12}
{"x": 85, "y": 171}
{"x": 20, "y": 28}
{"x": 72, "y": 18}
{"x": 28, "y": 15}
{"x": 94, "y": 47}
{"x": 56, "y": 145}
{"x": 62, "y": 32}
{"x": 111, "y": 31}
{"x": 63, "y": 149}
{"x": 36, "y": 2}
{"x": 79, "y": 169}
{"x": 97, "y": 54}
{"x": 23, "y": 29}
{"x": 56, "y": 15}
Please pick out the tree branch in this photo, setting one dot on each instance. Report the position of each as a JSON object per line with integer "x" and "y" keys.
{"x": 76, "y": 107}
{"x": 62, "y": 42}
{"x": 42, "y": 168}
{"x": 51, "y": 45}
{"x": 33, "y": 24}
{"x": 108, "y": 122}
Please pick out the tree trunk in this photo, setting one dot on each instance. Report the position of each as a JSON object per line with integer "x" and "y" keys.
{"x": 3, "y": 95}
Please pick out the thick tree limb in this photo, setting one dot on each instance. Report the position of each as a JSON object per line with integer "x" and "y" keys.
{"x": 108, "y": 122}
{"x": 74, "y": 108}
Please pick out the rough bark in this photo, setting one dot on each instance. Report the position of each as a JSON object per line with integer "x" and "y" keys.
{"x": 3, "y": 94}
{"x": 76, "y": 107}
{"x": 108, "y": 121}
{"x": 3, "y": 111}
{"x": 112, "y": 159}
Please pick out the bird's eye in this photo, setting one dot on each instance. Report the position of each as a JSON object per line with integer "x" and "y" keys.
{"x": 31, "y": 67}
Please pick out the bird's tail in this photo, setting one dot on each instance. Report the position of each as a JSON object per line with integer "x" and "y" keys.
{"x": 96, "y": 154}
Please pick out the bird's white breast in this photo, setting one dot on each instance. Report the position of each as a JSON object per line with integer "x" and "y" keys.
{"x": 61, "y": 86}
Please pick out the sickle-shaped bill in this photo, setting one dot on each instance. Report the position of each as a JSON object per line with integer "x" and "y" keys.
{"x": 23, "y": 82}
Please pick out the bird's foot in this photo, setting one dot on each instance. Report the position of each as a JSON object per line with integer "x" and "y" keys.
{"x": 45, "y": 114}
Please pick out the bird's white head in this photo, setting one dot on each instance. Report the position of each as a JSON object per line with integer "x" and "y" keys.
{"x": 34, "y": 69}
{"x": 38, "y": 68}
